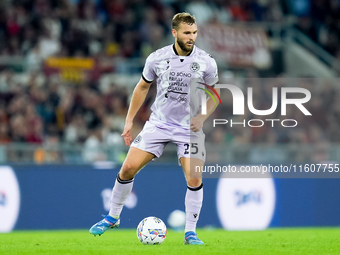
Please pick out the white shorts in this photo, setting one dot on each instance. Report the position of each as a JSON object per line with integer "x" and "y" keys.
{"x": 154, "y": 138}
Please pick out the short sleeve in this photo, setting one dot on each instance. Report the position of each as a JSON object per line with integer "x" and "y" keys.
{"x": 211, "y": 73}
{"x": 148, "y": 74}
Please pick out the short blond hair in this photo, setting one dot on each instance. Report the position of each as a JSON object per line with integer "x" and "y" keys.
{"x": 184, "y": 17}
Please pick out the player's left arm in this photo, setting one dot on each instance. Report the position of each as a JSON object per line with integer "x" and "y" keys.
{"x": 198, "y": 121}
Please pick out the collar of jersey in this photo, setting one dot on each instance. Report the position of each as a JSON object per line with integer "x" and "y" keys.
{"x": 175, "y": 51}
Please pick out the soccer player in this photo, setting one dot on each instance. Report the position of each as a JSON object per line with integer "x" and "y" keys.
{"x": 179, "y": 70}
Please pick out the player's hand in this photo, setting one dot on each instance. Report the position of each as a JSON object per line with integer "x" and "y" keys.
{"x": 196, "y": 124}
{"x": 127, "y": 133}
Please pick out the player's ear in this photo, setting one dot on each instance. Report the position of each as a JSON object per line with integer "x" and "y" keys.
{"x": 174, "y": 33}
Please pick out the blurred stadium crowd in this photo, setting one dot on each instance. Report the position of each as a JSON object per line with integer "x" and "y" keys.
{"x": 40, "y": 28}
{"x": 41, "y": 109}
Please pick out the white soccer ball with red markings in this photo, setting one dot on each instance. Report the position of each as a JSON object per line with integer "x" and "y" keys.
{"x": 151, "y": 230}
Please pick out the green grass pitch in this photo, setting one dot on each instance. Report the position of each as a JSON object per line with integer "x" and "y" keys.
{"x": 124, "y": 241}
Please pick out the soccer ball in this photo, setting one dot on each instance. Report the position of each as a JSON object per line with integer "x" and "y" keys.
{"x": 151, "y": 230}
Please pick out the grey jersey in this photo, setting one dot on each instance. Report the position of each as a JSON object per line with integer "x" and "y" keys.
{"x": 177, "y": 79}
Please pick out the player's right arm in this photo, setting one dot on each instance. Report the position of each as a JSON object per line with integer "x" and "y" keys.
{"x": 137, "y": 100}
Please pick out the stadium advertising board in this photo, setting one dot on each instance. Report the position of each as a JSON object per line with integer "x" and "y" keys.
{"x": 245, "y": 203}
{"x": 9, "y": 199}
{"x": 235, "y": 45}
{"x": 72, "y": 69}
{"x": 61, "y": 193}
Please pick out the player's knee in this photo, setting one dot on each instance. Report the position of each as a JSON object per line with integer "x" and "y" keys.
{"x": 126, "y": 175}
{"x": 194, "y": 182}
{"x": 128, "y": 171}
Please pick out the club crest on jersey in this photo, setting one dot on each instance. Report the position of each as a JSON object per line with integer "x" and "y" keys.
{"x": 194, "y": 66}
{"x": 138, "y": 139}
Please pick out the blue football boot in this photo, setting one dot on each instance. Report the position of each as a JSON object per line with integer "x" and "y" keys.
{"x": 100, "y": 227}
{"x": 192, "y": 239}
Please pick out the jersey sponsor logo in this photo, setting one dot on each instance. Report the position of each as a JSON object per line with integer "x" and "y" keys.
{"x": 180, "y": 99}
{"x": 194, "y": 66}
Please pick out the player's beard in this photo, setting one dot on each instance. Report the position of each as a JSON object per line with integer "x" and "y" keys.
{"x": 185, "y": 47}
